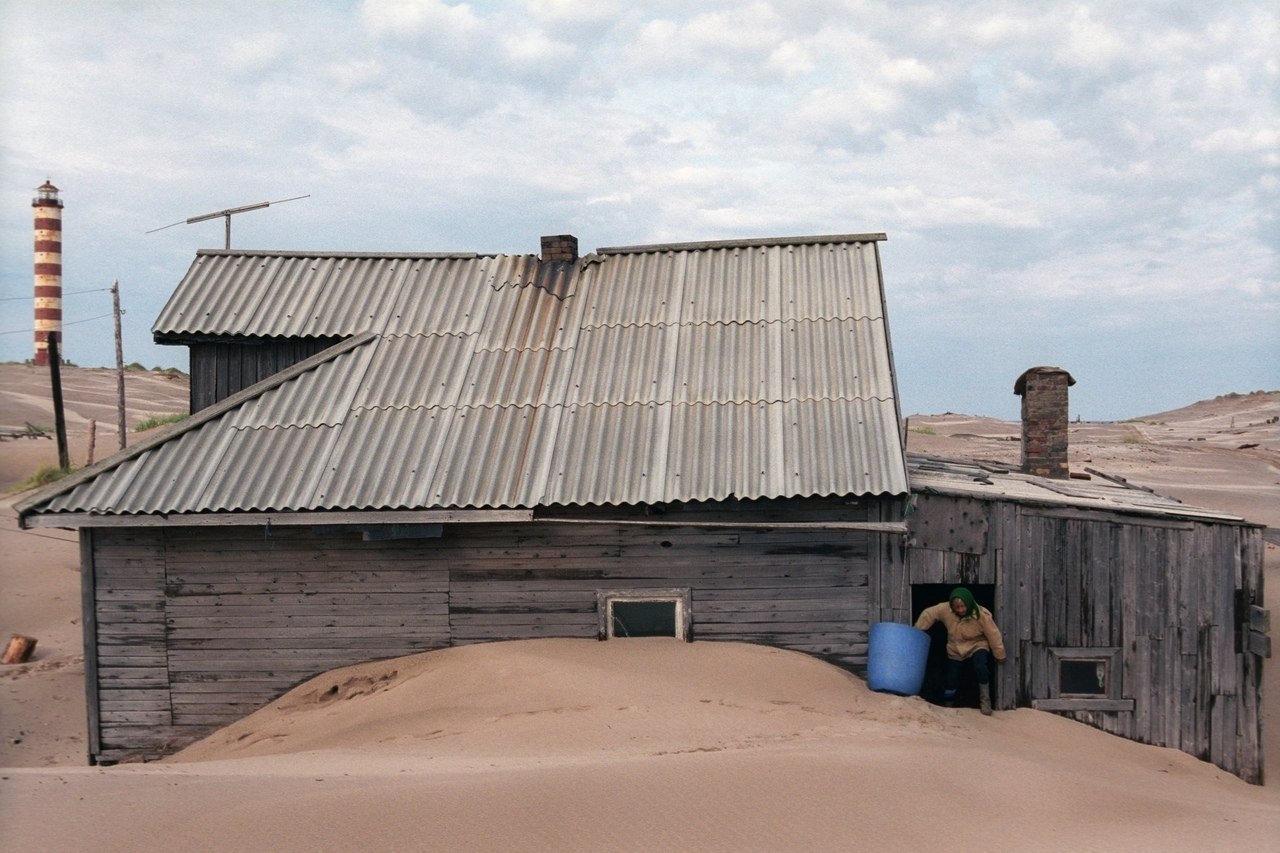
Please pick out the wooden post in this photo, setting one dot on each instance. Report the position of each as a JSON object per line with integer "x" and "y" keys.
{"x": 93, "y": 440}
{"x": 59, "y": 418}
{"x": 116, "y": 312}
{"x": 19, "y": 649}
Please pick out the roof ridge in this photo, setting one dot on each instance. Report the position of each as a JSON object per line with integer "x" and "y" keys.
{"x": 312, "y": 253}
{"x": 761, "y": 242}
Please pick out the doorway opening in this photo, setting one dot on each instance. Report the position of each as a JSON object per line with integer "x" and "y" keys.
{"x": 935, "y": 674}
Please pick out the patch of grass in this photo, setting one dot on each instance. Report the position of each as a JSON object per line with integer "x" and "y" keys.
{"x": 158, "y": 420}
{"x": 43, "y": 476}
{"x": 924, "y": 430}
{"x": 1132, "y": 438}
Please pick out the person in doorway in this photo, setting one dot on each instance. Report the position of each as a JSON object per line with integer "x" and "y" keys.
{"x": 972, "y": 635}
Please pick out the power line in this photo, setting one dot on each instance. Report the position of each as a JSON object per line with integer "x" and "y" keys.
{"x": 72, "y": 293}
{"x": 72, "y": 323}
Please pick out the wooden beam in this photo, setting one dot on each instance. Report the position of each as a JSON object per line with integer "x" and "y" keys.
{"x": 89, "y": 622}
{"x": 1083, "y": 704}
{"x": 896, "y": 528}
{"x": 71, "y": 520}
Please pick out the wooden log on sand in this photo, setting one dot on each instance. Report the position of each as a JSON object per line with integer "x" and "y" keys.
{"x": 19, "y": 649}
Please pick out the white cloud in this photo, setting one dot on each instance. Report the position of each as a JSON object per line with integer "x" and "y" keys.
{"x": 255, "y": 53}
{"x": 412, "y": 18}
{"x": 1020, "y": 157}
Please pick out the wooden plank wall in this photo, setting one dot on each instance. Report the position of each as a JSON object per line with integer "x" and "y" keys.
{"x": 200, "y": 626}
{"x": 132, "y": 713}
{"x": 1164, "y": 593}
{"x": 1162, "y": 590}
{"x": 221, "y": 368}
{"x": 250, "y": 613}
{"x": 800, "y": 589}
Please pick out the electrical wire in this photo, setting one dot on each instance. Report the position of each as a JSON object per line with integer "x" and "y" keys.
{"x": 72, "y": 293}
{"x": 72, "y": 323}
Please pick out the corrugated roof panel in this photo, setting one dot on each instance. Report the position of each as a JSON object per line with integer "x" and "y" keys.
{"x": 309, "y": 295}
{"x": 837, "y": 280}
{"x": 278, "y": 468}
{"x": 723, "y": 450}
{"x": 621, "y": 364}
{"x": 514, "y": 377}
{"x": 526, "y": 317}
{"x": 632, "y": 290}
{"x": 399, "y": 458}
{"x": 168, "y": 478}
{"x": 738, "y": 285}
{"x": 344, "y": 296}
{"x": 321, "y": 396}
{"x": 384, "y": 459}
{"x": 415, "y": 371}
{"x": 609, "y": 455}
{"x": 667, "y": 374}
{"x": 842, "y": 447}
{"x": 729, "y": 363}
{"x": 835, "y": 359}
{"x": 217, "y": 296}
{"x": 505, "y": 450}
{"x": 447, "y": 295}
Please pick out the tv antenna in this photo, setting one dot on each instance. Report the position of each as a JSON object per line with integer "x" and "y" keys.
{"x": 227, "y": 214}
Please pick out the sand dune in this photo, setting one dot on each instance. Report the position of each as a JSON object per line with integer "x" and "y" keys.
{"x": 629, "y": 745}
{"x": 635, "y": 744}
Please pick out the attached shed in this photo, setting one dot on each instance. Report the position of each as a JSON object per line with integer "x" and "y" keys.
{"x": 698, "y": 440}
{"x": 1120, "y": 608}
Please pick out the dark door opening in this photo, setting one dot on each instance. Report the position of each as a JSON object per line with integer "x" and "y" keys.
{"x": 935, "y": 674}
{"x": 643, "y": 618}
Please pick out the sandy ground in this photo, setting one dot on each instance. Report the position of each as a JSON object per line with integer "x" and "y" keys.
{"x": 643, "y": 744}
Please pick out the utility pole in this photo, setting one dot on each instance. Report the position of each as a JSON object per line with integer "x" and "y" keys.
{"x": 115, "y": 311}
{"x": 59, "y": 419}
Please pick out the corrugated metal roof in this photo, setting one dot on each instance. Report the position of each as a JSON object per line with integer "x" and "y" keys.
{"x": 644, "y": 375}
{"x": 988, "y": 481}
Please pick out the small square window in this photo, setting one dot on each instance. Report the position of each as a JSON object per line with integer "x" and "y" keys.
{"x": 643, "y": 619}
{"x": 644, "y": 613}
{"x": 1082, "y": 677}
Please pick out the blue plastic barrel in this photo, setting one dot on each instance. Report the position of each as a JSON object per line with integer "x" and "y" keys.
{"x": 896, "y": 657}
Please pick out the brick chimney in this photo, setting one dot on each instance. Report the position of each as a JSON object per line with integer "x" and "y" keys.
{"x": 1044, "y": 421}
{"x": 560, "y": 248}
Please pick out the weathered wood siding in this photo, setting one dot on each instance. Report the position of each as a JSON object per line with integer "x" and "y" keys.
{"x": 198, "y": 626}
{"x": 1161, "y": 590}
{"x": 221, "y": 368}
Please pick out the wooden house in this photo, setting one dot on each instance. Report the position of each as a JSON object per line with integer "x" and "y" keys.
{"x": 394, "y": 453}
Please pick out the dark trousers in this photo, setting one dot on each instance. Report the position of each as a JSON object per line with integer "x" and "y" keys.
{"x": 981, "y": 668}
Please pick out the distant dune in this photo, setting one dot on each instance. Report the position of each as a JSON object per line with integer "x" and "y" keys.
{"x": 88, "y": 394}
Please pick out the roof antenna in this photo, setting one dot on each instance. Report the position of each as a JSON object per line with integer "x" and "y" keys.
{"x": 227, "y": 214}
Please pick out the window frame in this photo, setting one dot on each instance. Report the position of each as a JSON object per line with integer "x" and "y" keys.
{"x": 681, "y": 596}
{"x": 1112, "y": 697}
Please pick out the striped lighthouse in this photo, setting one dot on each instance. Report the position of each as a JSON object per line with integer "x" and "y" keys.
{"x": 48, "y": 268}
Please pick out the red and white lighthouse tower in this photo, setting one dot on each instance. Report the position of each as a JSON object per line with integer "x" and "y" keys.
{"x": 47, "y": 208}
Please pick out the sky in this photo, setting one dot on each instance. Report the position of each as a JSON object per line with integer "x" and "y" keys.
{"x": 1087, "y": 185}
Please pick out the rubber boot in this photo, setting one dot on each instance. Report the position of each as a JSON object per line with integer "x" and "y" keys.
{"x": 984, "y": 700}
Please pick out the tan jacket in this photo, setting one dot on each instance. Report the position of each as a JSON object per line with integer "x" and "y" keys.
{"x": 964, "y": 636}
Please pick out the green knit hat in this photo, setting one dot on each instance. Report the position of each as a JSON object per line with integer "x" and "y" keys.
{"x": 971, "y": 606}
